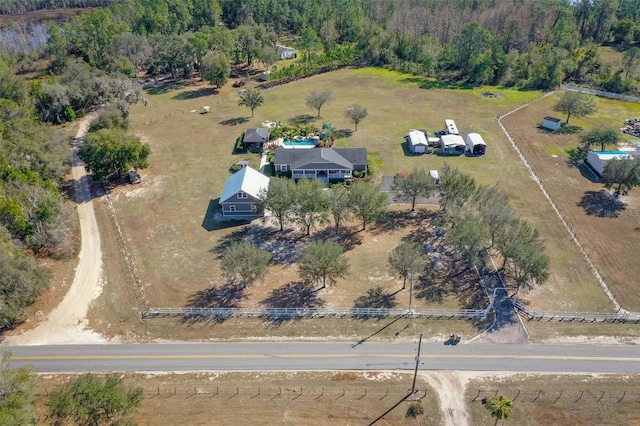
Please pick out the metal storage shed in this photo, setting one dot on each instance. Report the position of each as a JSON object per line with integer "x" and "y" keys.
{"x": 475, "y": 144}
{"x": 417, "y": 141}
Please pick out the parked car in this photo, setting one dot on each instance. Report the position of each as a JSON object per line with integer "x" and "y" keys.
{"x": 239, "y": 83}
{"x": 134, "y": 177}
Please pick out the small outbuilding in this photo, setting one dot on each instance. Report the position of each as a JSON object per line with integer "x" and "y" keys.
{"x": 452, "y": 144}
{"x": 417, "y": 141}
{"x": 475, "y": 144}
{"x": 551, "y": 123}
{"x": 239, "y": 197}
{"x": 255, "y": 138}
{"x": 596, "y": 160}
{"x": 285, "y": 52}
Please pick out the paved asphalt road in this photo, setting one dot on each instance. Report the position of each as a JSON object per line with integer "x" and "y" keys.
{"x": 326, "y": 356}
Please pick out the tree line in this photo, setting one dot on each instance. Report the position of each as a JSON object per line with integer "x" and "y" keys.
{"x": 530, "y": 43}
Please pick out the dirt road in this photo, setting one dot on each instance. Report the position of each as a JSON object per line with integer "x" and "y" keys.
{"x": 66, "y": 323}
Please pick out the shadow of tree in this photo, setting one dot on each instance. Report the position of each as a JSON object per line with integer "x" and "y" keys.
{"x": 376, "y": 298}
{"x": 165, "y": 86}
{"x": 291, "y": 295}
{"x": 344, "y": 133}
{"x": 348, "y": 238}
{"x": 198, "y": 93}
{"x": 392, "y": 220}
{"x": 285, "y": 246}
{"x": 601, "y": 204}
{"x": 228, "y": 295}
{"x": 234, "y": 121}
{"x": 301, "y": 119}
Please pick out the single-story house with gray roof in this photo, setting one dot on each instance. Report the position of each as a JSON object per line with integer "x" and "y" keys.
{"x": 320, "y": 163}
{"x": 255, "y": 138}
{"x": 239, "y": 199}
{"x": 285, "y": 52}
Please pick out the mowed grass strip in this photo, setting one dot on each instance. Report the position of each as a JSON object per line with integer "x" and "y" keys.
{"x": 559, "y": 400}
{"x": 611, "y": 242}
{"x": 162, "y": 219}
{"x": 301, "y": 398}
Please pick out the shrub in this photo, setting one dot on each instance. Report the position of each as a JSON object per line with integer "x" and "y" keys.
{"x": 235, "y": 168}
{"x": 415, "y": 409}
{"x": 239, "y": 146}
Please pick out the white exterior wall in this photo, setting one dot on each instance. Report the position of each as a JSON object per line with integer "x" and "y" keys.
{"x": 474, "y": 139}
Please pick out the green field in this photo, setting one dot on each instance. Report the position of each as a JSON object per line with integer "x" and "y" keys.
{"x": 162, "y": 219}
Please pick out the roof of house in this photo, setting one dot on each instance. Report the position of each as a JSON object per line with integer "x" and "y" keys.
{"x": 280, "y": 47}
{"x": 260, "y": 134}
{"x": 417, "y": 137}
{"x": 247, "y": 180}
{"x": 319, "y": 158}
{"x": 475, "y": 139}
{"x": 452, "y": 140}
{"x": 555, "y": 120}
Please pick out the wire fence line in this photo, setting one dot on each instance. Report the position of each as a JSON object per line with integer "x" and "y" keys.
{"x": 317, "y": 393}
{"x": 536, "y": 179}
{"x": 572, "y": 88}
{"x": 565, "y": 396}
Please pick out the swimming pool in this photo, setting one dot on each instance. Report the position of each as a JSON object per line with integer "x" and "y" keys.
{"x": 300, "y": 143}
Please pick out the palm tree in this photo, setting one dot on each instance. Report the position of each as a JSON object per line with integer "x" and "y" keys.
{"x": 500, "y": 408}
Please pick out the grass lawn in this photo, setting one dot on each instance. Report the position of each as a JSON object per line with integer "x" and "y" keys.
{"x": 300, "y": 398}
{"x": 170, "y": 241}
{"x": 559, "y": 400}
{"x": 607, "y": 230}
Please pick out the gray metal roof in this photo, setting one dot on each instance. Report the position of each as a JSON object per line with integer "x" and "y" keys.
{"x": 321, "y": 158}
{"x": 260, "y": 134}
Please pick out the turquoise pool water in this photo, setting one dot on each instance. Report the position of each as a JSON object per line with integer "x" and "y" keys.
{"x": 300, "y": 142}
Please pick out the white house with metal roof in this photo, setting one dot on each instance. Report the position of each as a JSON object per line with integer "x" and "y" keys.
{"x": 239, "y": 199}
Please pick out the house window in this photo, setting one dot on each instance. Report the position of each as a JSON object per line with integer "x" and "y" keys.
{"x": 283, "y": 167}
{"x": 232, "y": 208}
{"x": 242, "y": 194}
{"x": 254, "y": 208}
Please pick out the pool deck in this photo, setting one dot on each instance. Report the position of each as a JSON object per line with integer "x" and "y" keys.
{"x": 279, "y": 143}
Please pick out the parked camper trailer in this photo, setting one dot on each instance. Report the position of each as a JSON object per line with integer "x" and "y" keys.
{"x": 450, "y": 127}
{"x": 475, "y": 144}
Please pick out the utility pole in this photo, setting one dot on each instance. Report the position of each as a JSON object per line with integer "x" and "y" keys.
{"x": 415, "y": 373}
{"x": 411, "y": 292}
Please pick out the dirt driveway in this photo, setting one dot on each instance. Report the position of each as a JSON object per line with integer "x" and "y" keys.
{"x": 66, "y": 323}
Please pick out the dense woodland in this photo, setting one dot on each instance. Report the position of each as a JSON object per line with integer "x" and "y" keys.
{"x": 96, "y": 58}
